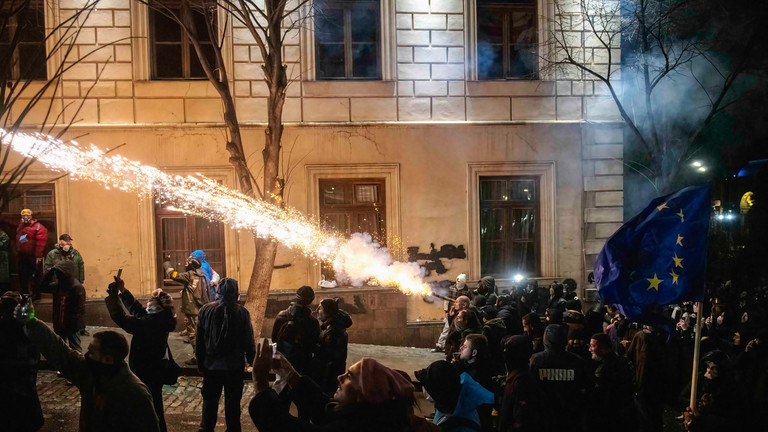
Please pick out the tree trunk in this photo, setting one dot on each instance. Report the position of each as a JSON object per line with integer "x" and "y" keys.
{"x": 266, "y": 249}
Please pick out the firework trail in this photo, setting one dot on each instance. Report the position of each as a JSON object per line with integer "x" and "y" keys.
{"x": 355, "y": 260}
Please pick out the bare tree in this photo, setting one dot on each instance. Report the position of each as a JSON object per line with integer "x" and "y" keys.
{"x": 268, "y": 22}
{"x": 668, "y": 82}
{"x": 27, "y": 84}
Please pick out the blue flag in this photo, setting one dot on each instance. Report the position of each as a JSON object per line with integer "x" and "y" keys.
{"x": 658, "y": 257}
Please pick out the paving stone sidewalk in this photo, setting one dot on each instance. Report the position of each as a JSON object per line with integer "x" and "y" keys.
{"x": 183, "y": 403}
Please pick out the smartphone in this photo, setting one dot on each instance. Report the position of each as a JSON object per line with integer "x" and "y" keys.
{"x": 119, "y": 273}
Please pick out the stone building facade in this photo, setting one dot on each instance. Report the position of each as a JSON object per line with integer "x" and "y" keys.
{"x": 428, "y": 133}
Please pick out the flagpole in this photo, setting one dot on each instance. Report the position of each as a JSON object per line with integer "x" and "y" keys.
{"x": 696, "y": 353}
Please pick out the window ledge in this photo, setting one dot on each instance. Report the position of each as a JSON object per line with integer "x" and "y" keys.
{"x": 174, "y": 88}
{"x": 510, "y": 88}
{"x": 349, "y": 88}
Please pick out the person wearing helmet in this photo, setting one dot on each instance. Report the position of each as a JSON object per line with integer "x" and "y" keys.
{"x": 193, "y": 296}
{"x": 31, "y": 236}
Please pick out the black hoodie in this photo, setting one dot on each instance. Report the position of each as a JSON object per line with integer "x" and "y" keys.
{"x": 331, "y": 357}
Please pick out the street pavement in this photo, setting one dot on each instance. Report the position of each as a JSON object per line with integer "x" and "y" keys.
{"x": 183, "y": 403}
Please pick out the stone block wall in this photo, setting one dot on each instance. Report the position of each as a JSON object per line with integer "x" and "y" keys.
{"x": 430, "y": 76}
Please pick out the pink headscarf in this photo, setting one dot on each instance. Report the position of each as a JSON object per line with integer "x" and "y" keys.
{"x": 379, "y": 383}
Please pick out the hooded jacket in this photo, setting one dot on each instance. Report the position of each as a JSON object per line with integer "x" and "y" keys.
{"x": 224, "y": 332}
{"x": 35, "y": 235}
{"x": 193, "y": 295}
{"x": 150, "y": 333}
{"x": 562, "y": 375}
{"x": 331, "y": 357}
{"x": 296, "y": 333}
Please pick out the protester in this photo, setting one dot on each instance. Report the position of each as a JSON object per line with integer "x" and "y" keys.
{"x": 296, "y": 332}
{"x": 210, "y": 274}
{"x": 112, "y": 398}
{"x": 576, "y": 344}
{"x": 68, "y": 301}
{"x": 194, "y": 294}
{"x": 457, "y": 290}
{"x": 20, "y": 409}
{"x": 5, "y": 267}
{"x": 523, "y": 405}
{"x": 475, "y": 359}
{"x": 224, "y": 344}
{"x": 61, "y": 251}
{"x": 331, "y": 357}
{"x": 509, "y": 314}
{"x": 457, "y": 397}
{"x": 486, "y": 287}
{"x": 149, "y": 326}
{"x": 466, "y": 323}
{"x": 370, "y": 397}
{"x": 532, "y": 328}
{"x": 646, "y": 353}
{"x": 612, "y": 400}
{"x": 494, "y": 330}
{"x": 31, "y": 237}
{"x": 562, "y": 376}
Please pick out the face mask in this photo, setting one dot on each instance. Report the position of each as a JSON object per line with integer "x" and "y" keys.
{"x": 66, "y": 248}
{"x": 100, "y": 369}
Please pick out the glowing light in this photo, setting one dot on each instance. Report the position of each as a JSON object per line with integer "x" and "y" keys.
{"x": 696, "y": 164}
{"x": 518, "y": 277}
{"x": 702, "y": 169}
{"x": 357, "y": 260}
{"x": 729, "y": 216}
{"x": 720, "y": 217}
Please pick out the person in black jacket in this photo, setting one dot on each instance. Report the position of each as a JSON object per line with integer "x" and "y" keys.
{"x": 331, "y": 357}
{"x": 149, "y": 326}
{"x": 509, "y": 314}
{"x": 296, "y": 331}
{"x": 224, "y": 343}
{"x": 523, "y": 406}
{"x": 614, "y": 387}
{"x": 562, "y": 376}
{"x": 19, "y": 360}
{"x": 370, "y": 397}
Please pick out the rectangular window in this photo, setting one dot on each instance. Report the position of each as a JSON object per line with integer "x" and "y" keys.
{"x": 347, "y": 40}
{"x": 348, "y": 206}
{"x": 509, "y": 220}
{"x": 22, "y": 41}
{"x": 172, "y": 54}
{"x": 507, "y": 39}
{"x": 178, "y": 235}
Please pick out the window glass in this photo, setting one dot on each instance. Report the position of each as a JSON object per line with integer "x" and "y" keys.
{"x": 22, "y": 41}
{"x": 173, "y": 54}
{"x": 507, "y": 39}
{"x": 347, "y": 40}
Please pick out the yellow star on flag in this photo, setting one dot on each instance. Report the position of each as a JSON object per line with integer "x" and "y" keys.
{"x": 678, "y": 261}
{"x": 679, "y": 240}
{"x": 655, "y": 282}
{"x": 674, "y": 277}
{"x": 682, "y": 216}
{"x": 662, "y": 207}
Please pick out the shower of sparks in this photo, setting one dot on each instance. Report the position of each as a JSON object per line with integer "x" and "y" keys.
{"x": 355, "y": 260}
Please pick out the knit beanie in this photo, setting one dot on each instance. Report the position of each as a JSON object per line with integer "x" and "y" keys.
{"x": 330, "y": 306}
{"x": 305, "y": 295}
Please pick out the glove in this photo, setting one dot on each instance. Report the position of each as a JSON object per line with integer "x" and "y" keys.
{"x": 115, "y": 287}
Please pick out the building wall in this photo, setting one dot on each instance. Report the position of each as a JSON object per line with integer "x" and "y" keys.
{"x": 428, "y": 118}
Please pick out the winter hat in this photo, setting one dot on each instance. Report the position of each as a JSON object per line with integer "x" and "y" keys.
{"x": 228, "y": 290}
{"x": 517, "y": 352}
{"x": 330, "y": 306}
{"x": 305, "y": 295}
{"x": 479, "y": 301}
{"x": 379, "y": 383}
{"x": 162, "y": 297}
{"x": 462, "y": 278}
{"x": 443, "y": 382}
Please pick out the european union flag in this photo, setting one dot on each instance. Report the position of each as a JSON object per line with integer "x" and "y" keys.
{"x": 658, "y": 257}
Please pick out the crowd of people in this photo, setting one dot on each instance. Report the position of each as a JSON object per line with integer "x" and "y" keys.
{"x": 516, "y": 359}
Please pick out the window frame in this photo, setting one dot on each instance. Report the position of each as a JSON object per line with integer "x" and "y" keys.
{"x": 188, "y": 53}
{"x": 506, "y": 10}
{"x": 347, "y": 8}
{"x": 514, "y": 205}
{"x": 15, "y": 60}
{"x": 544, "y": 13}
{"x": 387, "y": 46}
